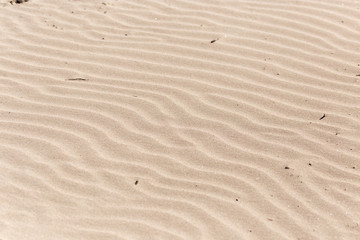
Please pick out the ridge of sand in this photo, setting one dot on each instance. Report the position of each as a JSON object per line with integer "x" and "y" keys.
{"x": 180, "y": 120}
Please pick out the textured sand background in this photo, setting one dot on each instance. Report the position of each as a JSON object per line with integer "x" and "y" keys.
{"x": 180, "y": 120}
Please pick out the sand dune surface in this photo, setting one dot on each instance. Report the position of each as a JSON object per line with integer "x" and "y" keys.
{"x": 159, "y": 119}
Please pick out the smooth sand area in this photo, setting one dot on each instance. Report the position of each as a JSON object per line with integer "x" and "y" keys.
{"x": 180, "y": 120}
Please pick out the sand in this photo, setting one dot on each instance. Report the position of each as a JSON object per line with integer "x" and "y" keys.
{"x": 183, "y": 120}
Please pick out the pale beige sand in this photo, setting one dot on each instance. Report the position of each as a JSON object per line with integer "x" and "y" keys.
{"x": 125, "y": 120}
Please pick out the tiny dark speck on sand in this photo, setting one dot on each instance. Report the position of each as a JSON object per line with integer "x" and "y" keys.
{"x": 322, "y": 117}
{"x": 18, "y": 1}
{"x": 76, "y": 79}
{"x": 287, "y": 167}
{"x": 136, "y": 182}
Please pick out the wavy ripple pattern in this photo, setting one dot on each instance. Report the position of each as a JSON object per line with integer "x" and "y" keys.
{"x": 180, "y": 120}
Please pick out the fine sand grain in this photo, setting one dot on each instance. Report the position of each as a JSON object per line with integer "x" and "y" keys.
{"x": 162, "y": 119}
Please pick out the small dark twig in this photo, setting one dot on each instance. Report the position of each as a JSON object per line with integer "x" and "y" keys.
{"x": 212, "y": 41}
{"x": 76, "y": 79}
{"x": 18, "y": 1}
{"x": 322, "y": 117}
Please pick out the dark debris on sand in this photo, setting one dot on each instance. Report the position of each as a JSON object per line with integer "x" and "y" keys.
{"x": 18, "y": 1}
{"x": 76, "y": 79}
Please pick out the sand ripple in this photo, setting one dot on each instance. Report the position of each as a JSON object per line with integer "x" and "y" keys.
{"x": 180, "y": 120}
